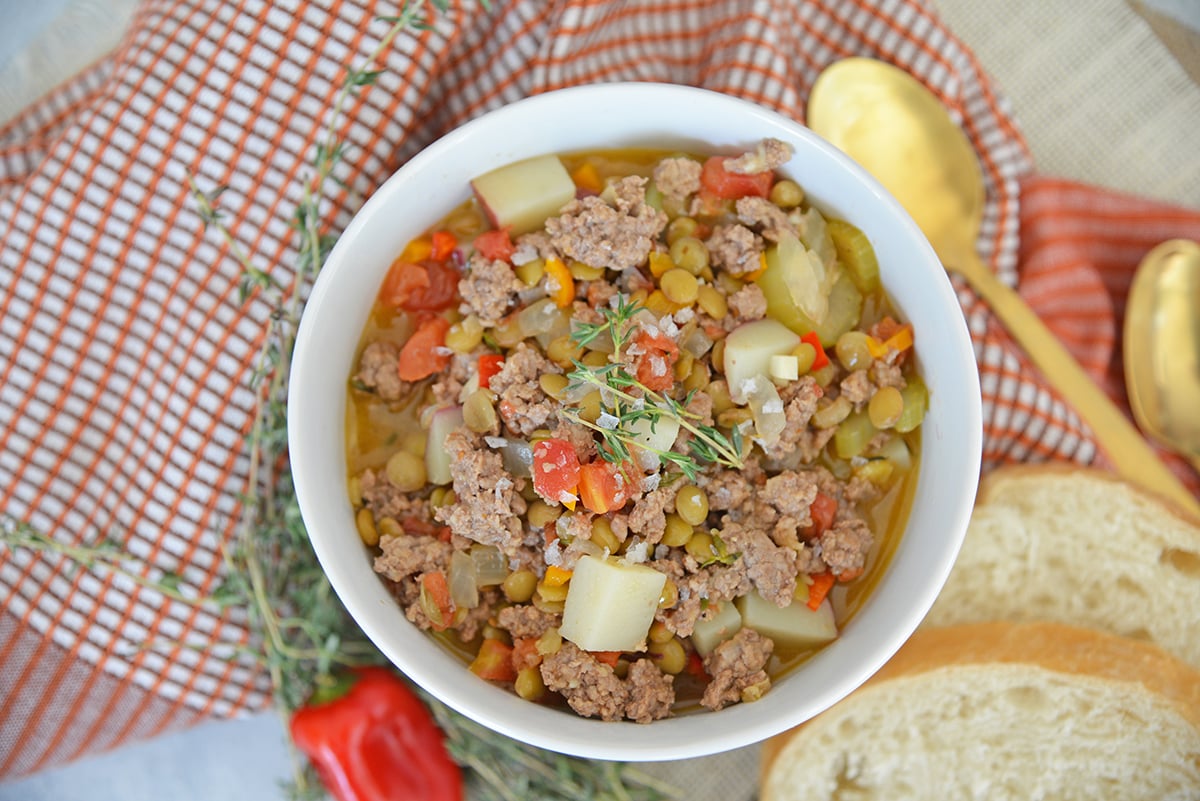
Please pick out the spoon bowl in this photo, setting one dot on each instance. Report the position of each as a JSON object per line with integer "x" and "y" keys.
{"x": 893, "y": 126}
{"x": 1162, "y": 346}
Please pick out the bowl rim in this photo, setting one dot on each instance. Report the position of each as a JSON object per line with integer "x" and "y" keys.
{"x": 738, "y": 725}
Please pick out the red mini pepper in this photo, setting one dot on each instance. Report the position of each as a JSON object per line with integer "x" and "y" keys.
{"x": 377, "y": 742}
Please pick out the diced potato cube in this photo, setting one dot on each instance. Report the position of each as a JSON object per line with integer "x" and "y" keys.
{"x": 522, "y": 195}
{"x": 795, "y": 625}
{"x": 784, "y": 367}
{"x": 748, "y": 352}
{"x": 708, "y": 634}
{"x": 610, "y": 604}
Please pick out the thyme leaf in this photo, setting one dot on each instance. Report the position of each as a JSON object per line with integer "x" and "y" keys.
{"x": 301, "y": 636}
{"x": 629, "y": 402}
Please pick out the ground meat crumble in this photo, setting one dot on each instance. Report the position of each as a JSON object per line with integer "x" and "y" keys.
{"x": 769, "y": 533}
{"x": 600, "y": 235}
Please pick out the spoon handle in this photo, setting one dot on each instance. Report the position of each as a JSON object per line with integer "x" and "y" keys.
{"x": 1135, "y": 460}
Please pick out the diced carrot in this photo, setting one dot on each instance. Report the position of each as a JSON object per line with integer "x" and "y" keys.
{"x": 435, "y": 599}
{"x": 606, "y": 657}
{"x": 422, "y": 354}
{"x": 602, "y": 487}
{"x": 822, "y": 511}
{"x": 821, "y": 358}
{"x": 559, "y": 283}
{"x": 586, "y": 177}
{"x": 656, "y": 362}
{"x": 495, "y": 245}
{"x": 822, "y": 583}
{"x": 443, "y": 244}
{"x": 494, "y": 661}
{"x": 525, "y": 653}
{"x": 557, "y": 576}
{"x": 489, "y": 365}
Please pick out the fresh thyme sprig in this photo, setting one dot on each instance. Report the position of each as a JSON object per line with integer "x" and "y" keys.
{"x": 707, "y": 445}
{"x": 300, "y": 633}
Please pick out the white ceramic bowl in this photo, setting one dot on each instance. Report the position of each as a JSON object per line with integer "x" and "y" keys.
{"x": 620, "y": 115}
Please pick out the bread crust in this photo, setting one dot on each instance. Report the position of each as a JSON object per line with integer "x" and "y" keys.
{"x": 1072, "y": 650}
{"x": 991, "y": 485}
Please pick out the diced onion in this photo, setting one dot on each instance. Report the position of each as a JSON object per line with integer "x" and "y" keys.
{"x": 518, "y": 457}
{"x": 538, "y": 317}
{"x": 697, "y": 343}
{"x": 490, "y": 566}
{"x": 462, "y": 580}
{"x": 766, "y": 407}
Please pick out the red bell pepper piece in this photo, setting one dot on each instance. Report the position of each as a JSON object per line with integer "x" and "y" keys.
{"x": 376, "y": 742}
{"x": 822, "y": 358}
{"x": 489, "y": 365}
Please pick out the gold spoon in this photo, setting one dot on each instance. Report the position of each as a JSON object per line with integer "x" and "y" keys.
{"x": 1162, "y": 346}
{"x": 898, "y": 131}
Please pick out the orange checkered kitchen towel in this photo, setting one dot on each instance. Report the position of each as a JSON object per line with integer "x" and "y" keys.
{"x": 125, "y": 354}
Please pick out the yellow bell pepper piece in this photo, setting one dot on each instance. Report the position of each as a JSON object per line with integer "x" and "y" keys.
{"x": 559, "y": 283}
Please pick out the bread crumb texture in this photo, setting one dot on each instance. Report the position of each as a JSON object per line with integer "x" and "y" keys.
{"x": 1002, "y": 711}
{"x": 1076, "y": 546}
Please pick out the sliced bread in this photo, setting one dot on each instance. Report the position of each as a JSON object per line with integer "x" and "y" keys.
{"x": 1002, "y": 711}
{"x": 1078, "y": 546}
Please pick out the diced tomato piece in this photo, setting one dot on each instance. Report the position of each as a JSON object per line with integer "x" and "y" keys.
{"x": 822, "y": 358}
{"x": 424, "y": 527}
{"x": 718, "y": 181}
{"x": 656, "y": 362}
{"x": 822, "y": 510}
{"x": 495, "y": 245}
{"x": 489, "y": 365}
{"x": 556, "y": 471}
{"x": 422, "y": 354}
{"x": 602, "y": 487}
{"x": 420, "y": 286}
{"x": 494, "y": 661}
{"x": 525, "y": 653}
{"x": 822, "y": 583}
{"x": 435, "y": 600}
{"x": 443, "y": 244}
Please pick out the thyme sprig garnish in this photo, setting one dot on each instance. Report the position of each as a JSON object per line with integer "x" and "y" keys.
{"x": 299, "y": 632}
{"x": 625, "y": 409}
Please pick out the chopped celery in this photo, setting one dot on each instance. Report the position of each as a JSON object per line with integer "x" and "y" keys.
{"x": 916, "y": 402}
{"x": 856, "y": 254}
{"x": 853, "y": 435}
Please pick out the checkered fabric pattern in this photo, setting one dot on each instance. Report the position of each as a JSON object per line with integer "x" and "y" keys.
{"x": 125, "y": 354}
